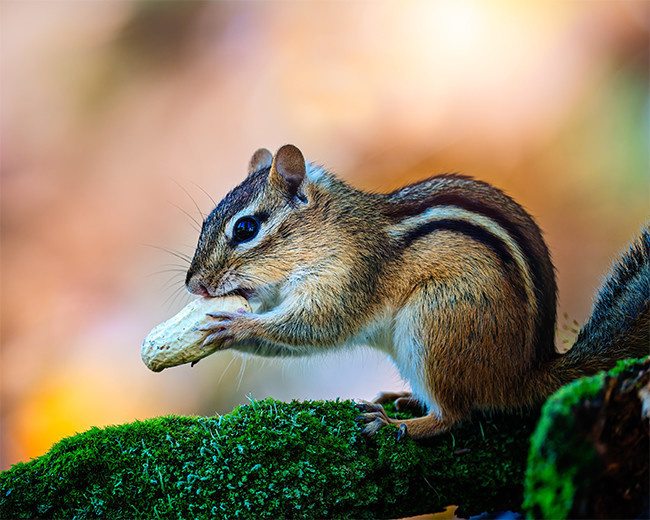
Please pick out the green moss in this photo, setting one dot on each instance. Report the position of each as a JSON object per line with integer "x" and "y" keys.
{"x": 551, "y": 475}
{"x": 561, "y": 459}
{"x": 270, "y": 459}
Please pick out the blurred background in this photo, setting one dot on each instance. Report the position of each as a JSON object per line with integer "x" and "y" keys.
{"x": 120, "y": 118}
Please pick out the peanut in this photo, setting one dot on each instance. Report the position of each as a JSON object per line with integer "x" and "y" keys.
{"x": 179, "y": 340}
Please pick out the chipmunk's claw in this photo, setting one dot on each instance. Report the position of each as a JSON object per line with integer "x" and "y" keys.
{"x": 373, "y": 416}
{"x": 228, "y": 328}
{"x": 223, "y": 336}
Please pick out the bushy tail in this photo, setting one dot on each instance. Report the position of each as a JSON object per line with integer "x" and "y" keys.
{"x": 619, "y": 326}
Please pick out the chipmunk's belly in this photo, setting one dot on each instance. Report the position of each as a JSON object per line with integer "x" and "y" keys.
{"x": 409, "y": 356}
{"x": 397, "y": 339}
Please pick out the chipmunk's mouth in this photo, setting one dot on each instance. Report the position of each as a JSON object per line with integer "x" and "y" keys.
{"x": 245, "y": 293}
{"x": 230, "y": 286}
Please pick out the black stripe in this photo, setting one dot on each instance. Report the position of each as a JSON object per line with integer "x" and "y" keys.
{"x": 520, "y": 227}
{"x": 496, "y": 214}
{"x": 473, "y": 231}
{"x": 533, "y": 254}
{"x": 239, "y": 197}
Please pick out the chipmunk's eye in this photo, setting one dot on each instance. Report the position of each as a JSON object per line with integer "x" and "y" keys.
{"x": 245, "y": 229}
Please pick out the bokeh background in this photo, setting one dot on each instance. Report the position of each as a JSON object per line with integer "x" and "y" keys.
{"x": 120, "y": 118}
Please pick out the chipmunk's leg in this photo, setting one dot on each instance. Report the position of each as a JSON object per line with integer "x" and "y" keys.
{"x": 431, "y": 354}
{"x": 403, "y": 401}
{"x": 389, "y": 397}
{"x": 374, "y": 417}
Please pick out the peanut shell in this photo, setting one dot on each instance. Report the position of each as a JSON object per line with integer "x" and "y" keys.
{"x": 177, "y": 340}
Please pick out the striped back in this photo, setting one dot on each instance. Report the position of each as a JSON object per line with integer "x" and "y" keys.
{"x": 488, "y": 216}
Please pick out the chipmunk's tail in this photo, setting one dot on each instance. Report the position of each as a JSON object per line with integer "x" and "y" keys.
{"x": 619, "y": 326}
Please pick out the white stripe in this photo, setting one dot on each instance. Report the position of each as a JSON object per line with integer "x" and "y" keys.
{"x": 436, "y": 213}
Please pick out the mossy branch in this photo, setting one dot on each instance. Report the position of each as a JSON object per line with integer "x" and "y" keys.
{"x": 274, "y": 460}
{"x": 588, "y": 458}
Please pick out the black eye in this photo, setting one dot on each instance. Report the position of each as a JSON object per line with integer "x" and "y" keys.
{"x": 245, "y": 229}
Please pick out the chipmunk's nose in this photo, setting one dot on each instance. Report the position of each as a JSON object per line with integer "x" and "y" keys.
{"x": 196, "y": 285}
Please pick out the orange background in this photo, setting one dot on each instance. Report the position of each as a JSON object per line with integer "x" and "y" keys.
{"x": 112, "y": 111}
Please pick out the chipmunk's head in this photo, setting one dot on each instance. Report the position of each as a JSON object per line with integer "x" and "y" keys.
{"x": 253, "y": 237}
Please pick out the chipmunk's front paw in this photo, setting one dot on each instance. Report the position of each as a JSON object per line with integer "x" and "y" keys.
{"x": 230, "y": 327}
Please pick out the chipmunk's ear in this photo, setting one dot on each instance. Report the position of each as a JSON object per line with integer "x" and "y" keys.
{"x": 288, "y": 169}
{"x": 262, "y": 158}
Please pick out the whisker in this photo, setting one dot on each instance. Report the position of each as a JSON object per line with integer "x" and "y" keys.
{"x": 173, "y": 297}
{"x": 254, "y": 278}
{"x": 209, "y": 196}
{"x": 197, "y": 224}
{"x": 178, "y": 255}
{"x": 182, "y": 296}
{"x": 191, "y": 198}
{"x": 174, "y": 265}
{"x": 171, "y": 282}
{"x": 241, "y": 372}
{"x": 168, "y": 299}
{"x": 180, "y": 270}
{"x": 232, "y": 359}
{"x": 251, "y": 278}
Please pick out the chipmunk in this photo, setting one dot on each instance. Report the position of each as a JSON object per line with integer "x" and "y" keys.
{"x": 448, "y": 276}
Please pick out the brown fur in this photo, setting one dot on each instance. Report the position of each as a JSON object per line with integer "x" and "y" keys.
{"x": 449, "y": 275}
